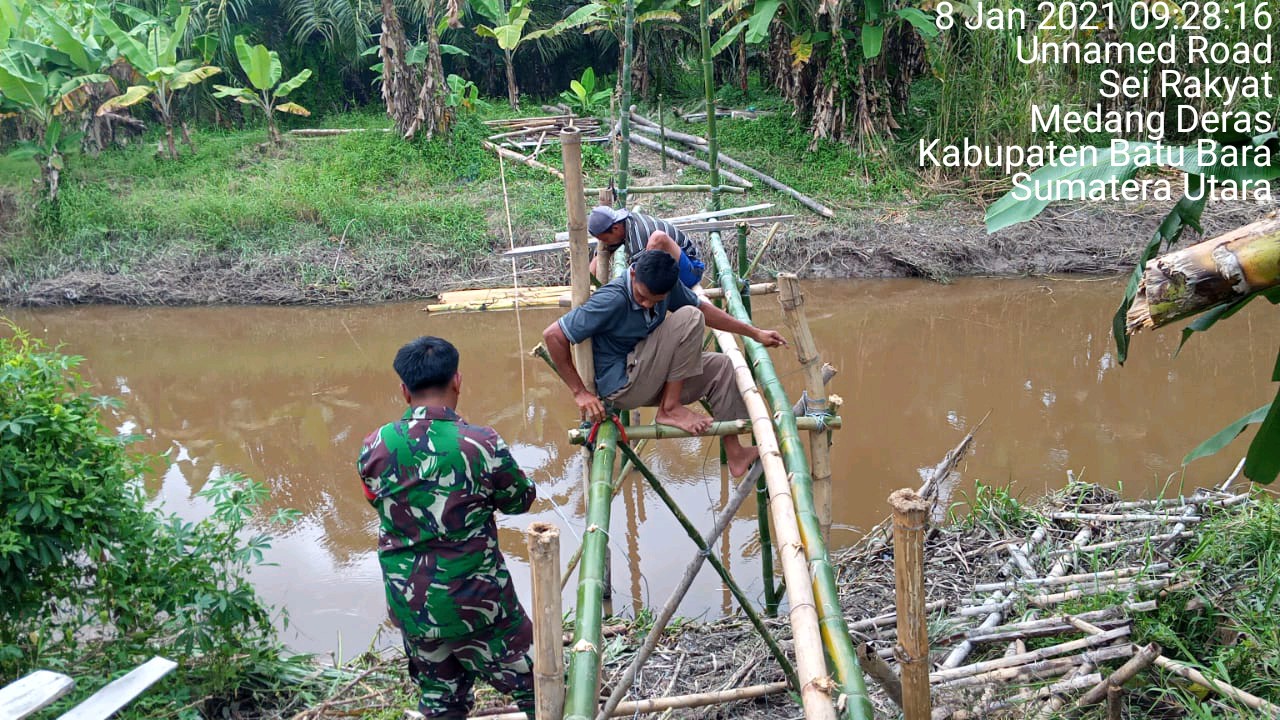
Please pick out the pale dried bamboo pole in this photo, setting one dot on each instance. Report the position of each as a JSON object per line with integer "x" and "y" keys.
{"x": 1136, "y": 664}
{"x": 513, "y": 155}
{"x": 910, "y": 518}
{"x": 1070, "y": 579}
{"x": 1071, "y": 684}
{"x": 1024, "y": 658}
{"x": 877, "y": 668}
{"x": 879, "y": 621}
{"x": 1124, "y": 517}
{"x": 1041, "y": 669}
{"x": 791, "y": 299}
{"x": 811, "y": 667}
{"x": 548, "y": 620}
{"x": 1112, "y": 544}
{"x": 653, "y": 705}
{"x": 1186, "y": 671}
{"x": 1051, "y": 599}
{"x": 522, "y": 131}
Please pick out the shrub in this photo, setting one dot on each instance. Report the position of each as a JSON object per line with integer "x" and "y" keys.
{"x": 85, "y": 562}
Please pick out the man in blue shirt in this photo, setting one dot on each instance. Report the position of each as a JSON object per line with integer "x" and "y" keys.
{"x": 646, "y": 333}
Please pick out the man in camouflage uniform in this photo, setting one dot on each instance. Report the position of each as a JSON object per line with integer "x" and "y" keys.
{"x": 436, "y": 483}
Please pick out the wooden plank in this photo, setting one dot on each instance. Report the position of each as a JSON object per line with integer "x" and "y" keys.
{"x": 31, "y": 693}
{"x": 104, "y": 703}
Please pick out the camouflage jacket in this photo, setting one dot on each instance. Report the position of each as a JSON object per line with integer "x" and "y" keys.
{"x": 436, "y": 483}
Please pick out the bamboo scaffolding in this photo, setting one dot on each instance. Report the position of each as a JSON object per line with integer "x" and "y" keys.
{"x": 835, "y": 633}
{"x": 1186, "y": 671}
{"x": 513, "y": 155}
{"x": 548, "y": 620}
{"x": 1220, "y": 270}
{"x": 712, "y": 293}
{"x": 755, "y": 261}
{"x": 709, "y": 92}
{"x": 717, "y": 178}
{"x": 710, "y": 225}
{"x": 910, "y": 516}
{"x": 718, "y": 428}
{"x": 624, "y": 683}
{"x": 679, "y": 221}
{"x": 678, "y": 702}
{"x": 583, "y": 692}
{"x": 791, "y": 299}
{"x": 658, "y": 189}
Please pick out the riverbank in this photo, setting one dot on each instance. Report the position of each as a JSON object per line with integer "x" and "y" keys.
{"x": 1202, "y": 598}
{"x": 365, "y": 217}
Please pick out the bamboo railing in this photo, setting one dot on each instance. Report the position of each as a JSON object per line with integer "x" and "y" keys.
{"x": 835, "y": 633}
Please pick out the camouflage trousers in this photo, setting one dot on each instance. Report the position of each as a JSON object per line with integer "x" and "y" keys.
{"x": 444, "y": 669}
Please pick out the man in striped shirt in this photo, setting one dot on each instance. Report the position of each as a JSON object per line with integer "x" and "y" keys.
{"x": 644, "y": 232}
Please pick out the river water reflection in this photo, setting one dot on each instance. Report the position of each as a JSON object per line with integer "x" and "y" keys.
{"x": 285, "y": 395}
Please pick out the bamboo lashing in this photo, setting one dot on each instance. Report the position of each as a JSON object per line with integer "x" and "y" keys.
{"x": 910, "y": 516}
{"x": 548, "y": 620}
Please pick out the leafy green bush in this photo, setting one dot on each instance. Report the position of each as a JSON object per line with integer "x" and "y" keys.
{"x": 91, "y": 579}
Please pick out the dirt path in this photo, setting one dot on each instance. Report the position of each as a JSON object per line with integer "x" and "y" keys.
{"x": 883, "y": 242}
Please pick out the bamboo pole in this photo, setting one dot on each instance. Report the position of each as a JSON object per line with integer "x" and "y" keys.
{"x": 835, "y": 633}
{"x": 548, "y": 620}
{"x": 645, "y": 126}
{"x": 709, "y": 90}
{"x": 513, "y": 155}
{"x": 624, "y": 148}
{"x": 624, "y": 470}
{"x": 1027, "y": 657}
{"x": 704, "y": 547}
{"x": 810, "y": 666}
{"x": 677, "y": 702}
{"x": 1219, "y": 270}
{"x": 910, "y": 517}
{"x": 1077, "y": 578}
{"x": 582, "y": 695}
{"x": 1136, "y": 664}
{"x": 659, "y": 189}
{"x": 755, "y": 261}
{"x": 712, "y": 293}
{"x": 791, "y": 299}
{"x": 579, "y": 252}
{"x": 718, "y": 428}
{"x": 1125, "y": 517}
{"x": 522, "y": 131}
{"x": 662, "y": 126}
{"x": 680, "y": 221}
{"x": 1041, "y": 669}
{"x": 1186, "y": 671}
{"x": 717, "y": 178}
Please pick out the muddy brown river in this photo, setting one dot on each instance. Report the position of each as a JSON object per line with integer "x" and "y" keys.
{"x": 285, "y": 395}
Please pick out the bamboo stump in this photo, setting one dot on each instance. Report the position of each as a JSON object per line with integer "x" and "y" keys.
{"x": 910, "y": 518}
{"x": 548, "y": 620}
{"x": 792, "y": 301}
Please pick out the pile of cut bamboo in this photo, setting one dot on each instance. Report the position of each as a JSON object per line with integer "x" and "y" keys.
{"x": 524, "y": 139}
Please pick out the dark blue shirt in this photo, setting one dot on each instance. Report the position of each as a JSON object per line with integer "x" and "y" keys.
{"x": 615, "y": 323}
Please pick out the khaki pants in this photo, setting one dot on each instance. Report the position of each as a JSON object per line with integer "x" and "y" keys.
{"x": 674, "y": 352}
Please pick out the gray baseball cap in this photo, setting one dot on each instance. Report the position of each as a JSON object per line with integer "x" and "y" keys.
{"x": 603, "y": 217}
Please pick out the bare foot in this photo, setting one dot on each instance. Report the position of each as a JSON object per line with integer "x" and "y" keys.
{"x": 683, "y": 418}
{"x": 741, "y": 459}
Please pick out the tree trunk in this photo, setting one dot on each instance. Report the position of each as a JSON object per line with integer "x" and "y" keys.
{"x": 398, "y": 78}
{"x": 168, "y": 138}
{"x": 742, "y": 63}
{"x": 49, "y": 170}
{"x": 640, "y": 79}
{"x": 186, "y": 137}
{"x": 513, "y": 92}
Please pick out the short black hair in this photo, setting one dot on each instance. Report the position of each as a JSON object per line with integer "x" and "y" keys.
{"x": 657, "y": 270}
{"x": 428, "y": 363}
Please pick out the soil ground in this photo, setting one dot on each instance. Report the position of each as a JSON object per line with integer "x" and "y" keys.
{"x": 937, "y": 240}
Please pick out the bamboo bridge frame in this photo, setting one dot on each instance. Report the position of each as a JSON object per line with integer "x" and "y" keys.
{"x": 793, "y": 498}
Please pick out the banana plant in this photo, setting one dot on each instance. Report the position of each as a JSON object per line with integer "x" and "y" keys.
{"x": 582, "y": 96}
{"x": 609, "y": 16}
{"x": 263, "y": 68}
{"x": 47, "y": 62}
{"x": 507, "y": 27}
{"x": 152, "y": 49}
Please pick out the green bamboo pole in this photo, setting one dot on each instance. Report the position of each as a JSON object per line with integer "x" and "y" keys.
{"x": 743, "y": 601}
{"x": 662, "y": 128}
{"x": 708, "y": 86}
{"x": 718, "y": 428}
{"x": 623, "y": 470}
{"x": 624, "y": 151}
{"x": 835, "y": 633}
{"x": 582, "y": 698}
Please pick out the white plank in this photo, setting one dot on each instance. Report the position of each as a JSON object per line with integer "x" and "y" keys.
{"x": 38, "y": 690}
{"x": 104, "y": 703}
